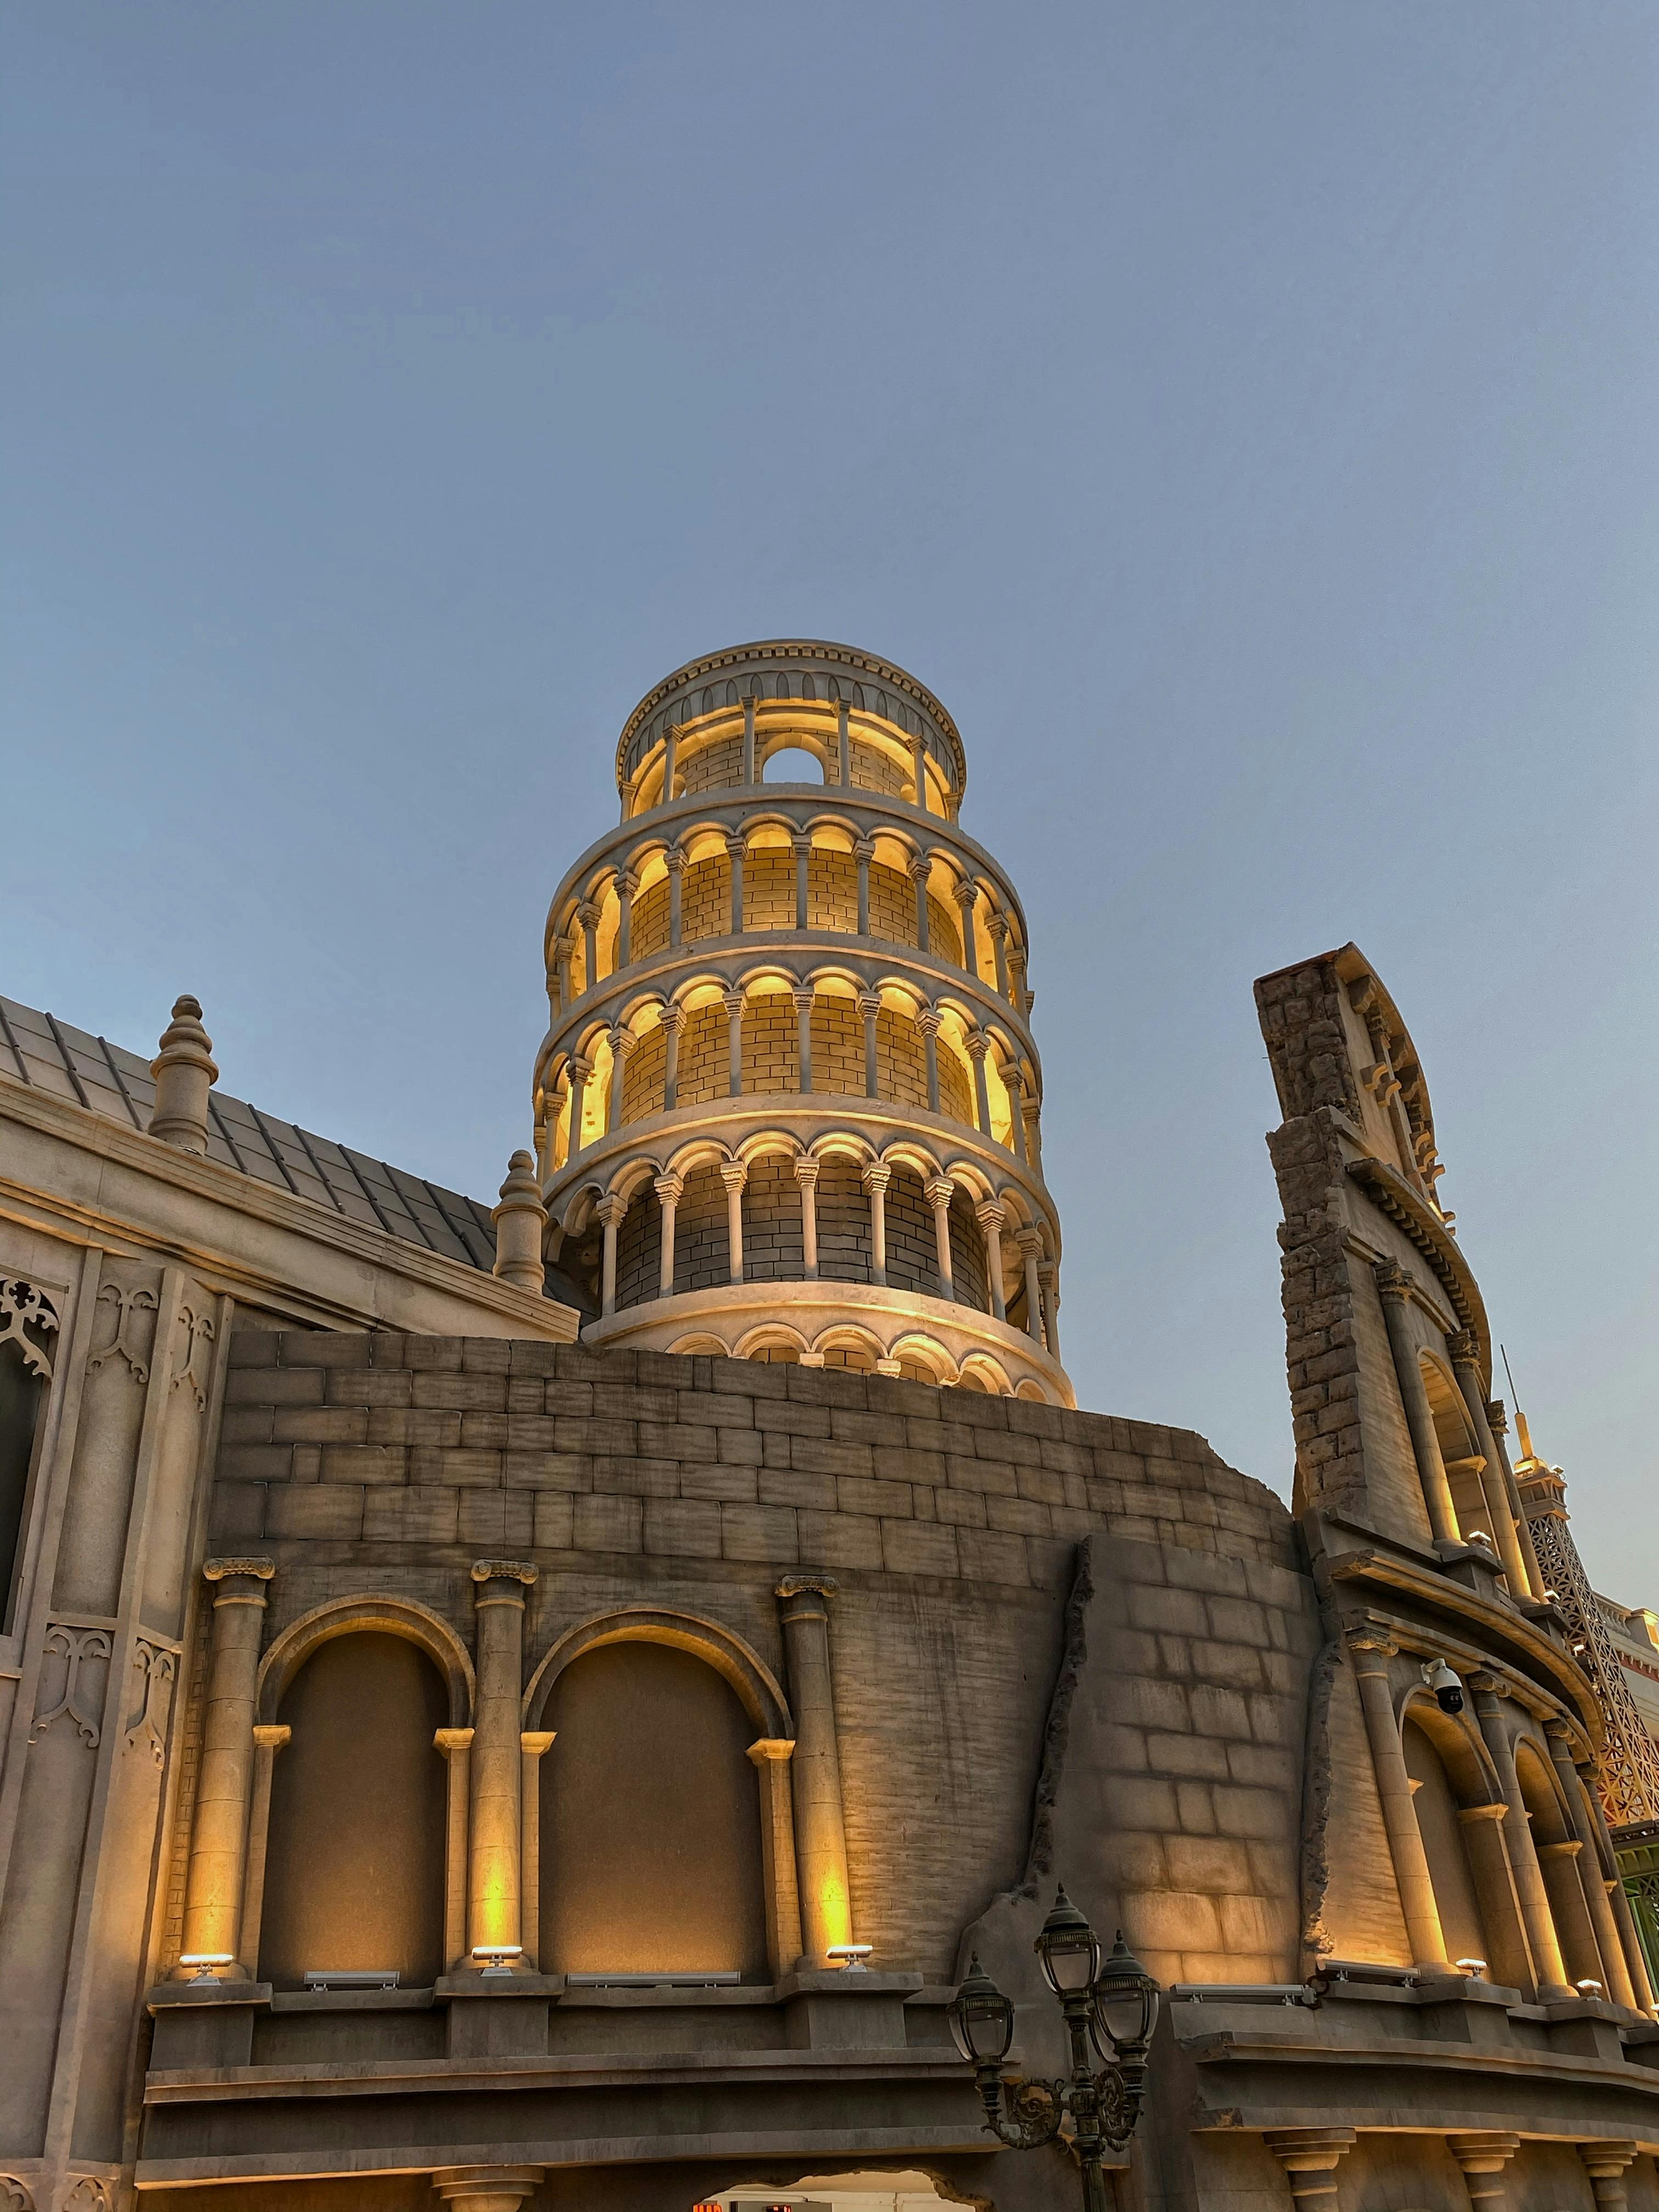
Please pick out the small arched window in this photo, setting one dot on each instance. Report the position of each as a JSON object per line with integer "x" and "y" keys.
{"x": 792, "y": 764}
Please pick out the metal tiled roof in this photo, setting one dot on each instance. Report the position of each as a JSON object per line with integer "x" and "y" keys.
{"x": 108, "y": 1080}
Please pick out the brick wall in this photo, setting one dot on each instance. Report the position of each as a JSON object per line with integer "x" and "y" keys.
{"x": 968, "y": 1254}
{"x": 912, "y": 1249}
{"x": 769, "y": 903}
{"x": 387, "y": 1464}
{"x": 701, "y": 1251}
{"x": 772, "y": 1224}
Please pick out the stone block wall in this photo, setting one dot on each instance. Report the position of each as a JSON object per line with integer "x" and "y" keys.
{"x": 768, "y": 902}
{"x": 952, "y": 1522}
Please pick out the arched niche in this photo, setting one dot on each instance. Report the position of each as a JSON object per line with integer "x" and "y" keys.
{"x": 651, "y": 1852}
{"x": 1559, "y": 1852}
{"x": 354, "y": 1855}
{"x": 1437, "y": 1806}
{"x": 1459, "y": 1451}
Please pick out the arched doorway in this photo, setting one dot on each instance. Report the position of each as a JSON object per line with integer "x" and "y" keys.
{"x": 649, "y": 1819}
{"x": 355, "y": 1864}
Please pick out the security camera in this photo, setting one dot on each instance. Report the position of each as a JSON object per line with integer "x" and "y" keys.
{"x": 1448, "y": 1690}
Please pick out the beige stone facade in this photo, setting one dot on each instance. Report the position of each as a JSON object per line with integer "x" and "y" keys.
{"x": 467, "y": 1676}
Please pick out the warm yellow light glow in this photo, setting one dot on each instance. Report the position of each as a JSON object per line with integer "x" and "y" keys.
{"x": 833, "y": 1905}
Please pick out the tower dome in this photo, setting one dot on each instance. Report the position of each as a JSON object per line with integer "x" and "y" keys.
{"x": 787, "y": 1106}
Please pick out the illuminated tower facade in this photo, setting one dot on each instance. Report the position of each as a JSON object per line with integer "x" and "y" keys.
{"x": 788, "y": 1105}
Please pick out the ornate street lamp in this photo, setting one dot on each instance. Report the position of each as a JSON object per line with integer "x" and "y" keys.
{"x": 1111, "y": 2004}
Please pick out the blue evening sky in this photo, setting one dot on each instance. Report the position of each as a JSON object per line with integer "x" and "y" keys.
{"x": 1244, "y": 414}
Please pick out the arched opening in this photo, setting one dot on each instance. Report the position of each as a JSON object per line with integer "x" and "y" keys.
{"x": 22, "y": 1393}
{"x": 650, "y": 1819}
{"x": 792, "y": 764}
{"x": 354, "y": 1866}
{"x": 1463, "y": 1461}
{"x": 1442, "y": 1832}
{"x": 1558, "y": 1852}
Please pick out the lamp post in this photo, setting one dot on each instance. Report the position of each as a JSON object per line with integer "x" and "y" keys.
{"x": 1111, "y": 2004}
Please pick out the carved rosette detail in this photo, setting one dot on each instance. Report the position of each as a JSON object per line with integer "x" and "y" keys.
{"x": 23, "y": 1307}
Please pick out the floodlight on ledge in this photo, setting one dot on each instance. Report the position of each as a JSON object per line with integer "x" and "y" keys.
{"x": 1588, "y": 1988}
{"x": 496, "y": 1959}
{"x": 207, "y": 1963}
{"x": 1474, "y": 1968}
{"x": 850, "y": 1957}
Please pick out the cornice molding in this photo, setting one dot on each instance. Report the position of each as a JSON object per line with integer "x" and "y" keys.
{"x": 1388, "y": 1190}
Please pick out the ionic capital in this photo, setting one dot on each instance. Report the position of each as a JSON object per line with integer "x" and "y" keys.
{"x": 864, "y": 849}
{"x": 505, "y": 1571}
{"x": 798, "y": 1585}
{"x": 670, "y": 1188}
{"x": 214, "y": 1571}
{"x": 1371, "y": 1642}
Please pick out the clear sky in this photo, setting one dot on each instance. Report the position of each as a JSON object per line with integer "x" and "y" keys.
{"x": 1243, "y": 415}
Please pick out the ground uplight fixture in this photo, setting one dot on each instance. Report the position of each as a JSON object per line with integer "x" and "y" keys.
{"x": 496, "y": 1959}
{"x": 1589, "y": 1989}
{"x": 1474, "y": 1968}
{"x": 850, "y": 1957}
{"x": 207, "y": 1963}
{"x": 1111, "y": 2004}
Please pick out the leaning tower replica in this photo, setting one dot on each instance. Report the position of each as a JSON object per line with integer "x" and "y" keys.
{"x": 788, "y": 1106}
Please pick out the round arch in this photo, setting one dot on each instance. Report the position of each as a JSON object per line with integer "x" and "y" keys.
{"x": 374, "y": 1614}
{"x": 756, "y": 1687}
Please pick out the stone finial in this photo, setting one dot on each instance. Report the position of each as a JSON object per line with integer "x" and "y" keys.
{"x": 520, "y": 1219}
{"x": 184, "y": 1073}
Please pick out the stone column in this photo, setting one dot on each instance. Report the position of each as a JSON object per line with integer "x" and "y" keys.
{"x": 1018, "y": 997}
{"x": 670, "y": 748}
{"x": 1031, "y": 1115}
{"x": 1048, "y": 1277}
{"x": 733, "y": 1003}
{"x": 1497, "y": 1429}
{"x": 456, "y": 1745}
{"x": 803, "y": 995}
{"x": 918, "y": 772}
{"x": 520, "y": 1222}
{"x": 1508, "y": 1959}
{"x": 978, "y": 1045}
{"x": 843, "y": 746}
{"x": 1605, "y": 2163}
{"x": 622, "y": 1042}
{"x": 991, "y": 1216}
{"x": 1609, "y": 1938}
{"x": 1030, "y": 1241}
{"x": 1553, "y": 1987}
{"x": 184, "y": 1074}
{"x": 734, "y": 850}
{"x": 1464, "y": 1352}
{"x": 612, "y": 1212}
{"x": 1393, "y": 1284}
{"x": 1310, "y": 2157}
{"x": 820, "y": 1828}
{"x": 669, "y": 1189}
{"x": 627, "y": 883}
{"x": 1569, "y": 1908}
{"x": 802, "y": 848}
{"x": 996, "y": 928}
{"x": 1483, "y": 2157}
{"x": 486, "y": 2188}
{"x": 580, "y": 1068}
{"x": 770, "y": 1757}
{"x": 493, "y": 1899}
{"x": 806, "y": 1174}
{"x": 588, "y": 914}
{"x": 919, "y": 872}
{"x": 734, "y": 1174}
{"x": 218, "y": 1844}
{"x": 1014, "y": 1084}
{"x": 939, "y": 1191}
{"x": 673, "y": 1024}
{"x": 748, "y": 741}
{"x": 674, "y": 861}
{"x": 561, "y": 951}
{"x": 929, "y": 1023}
{"x": 870, "y": 1008}
{"x": 533, "y": 1745}
{"x": 268, "y": 1740}
{"x": 876, "y": 1178}
{"x": 967, "y": 899}
{"x": 1370, "y": 1651}
{"x": 863, "y": 852}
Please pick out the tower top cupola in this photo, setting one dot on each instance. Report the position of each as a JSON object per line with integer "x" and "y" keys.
{"x": 788, "y": 1104}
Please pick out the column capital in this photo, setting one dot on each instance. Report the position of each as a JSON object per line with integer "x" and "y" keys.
{"x": 271, "y": 1735}
{"x": 672, "y": 1018}
{"x": 991, "y": 1213}
{"x": 804, "y": 995}
{"x": 451, "y": 1739}
{"x": 1393, "y": 1280}
{"x": 807, "y": 1168}
{"x": 534, "y": 1742}
{"x": 1606, "y": 2161}
{"x": 966, "y": 894}
{"x": 1014, "y": 1081}
{"x": 580, "y": 1066}
{"x": 628, "y": 880}
{"x": 1463, "y": 1348}
{"x": 612, "y": 1207}
{"x": 670, "y": 1188}
{"x": 1482, "y": 1680}
{"x": 736, "y": 845}
{"x": 1561, "y": 1732}
{"x": 1498, "y": 1418}
{"x": 505, "y": 1571}
{"x": 996, "y": 925}
{"x": 798, "y": 1585}
{"x": 734, "y": 1174}
{"x": 772, "y": 1750}
{"x": 1371, "y": 1642}
{"x": 877, "y": 1176}
{"x": 929, "y": 1021}
{"x": 588, "y": 914}
{"x": 869, "y": 1002}
{"x": 674, "y": 859}
{"x": 622, "y": 1042}
{"x": 939, "y": 1190}
{"x": 733, "y": 1002}
{"x": 921, "y": 868}
{"x": 864, "y": 849}
{"x": 801, "y": 841}
{"x": 1030, "y": 1241}
{"x": 215, "y": 1570}
{"x": 978, "y": 1044}
{"x": 486, "y": 2188}
{"x": 1483, "y": 2151}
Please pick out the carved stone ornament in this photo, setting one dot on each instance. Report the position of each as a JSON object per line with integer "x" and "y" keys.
{"x": 506, "y": 1571}
{"x": 23, "y": 1307}
{"x": 123, "y": 1345}
{"x": 197, "y": 1330}
{"x": 14, "y": 2194}
{"x": 214, "y": 1571}
{"x": 793, "y": 1585}
{"x": 75, "y": 1647}
{"x": 157, "y": 1667}
{"x": 89, "y": 2194}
